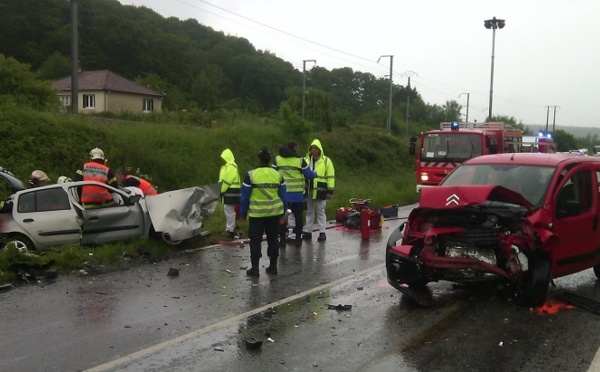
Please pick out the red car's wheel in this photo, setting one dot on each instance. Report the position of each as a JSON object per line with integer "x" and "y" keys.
{"x": 534, "y": 286}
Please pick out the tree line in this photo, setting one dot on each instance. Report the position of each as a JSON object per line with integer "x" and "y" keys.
{"x": 199, "y": 68}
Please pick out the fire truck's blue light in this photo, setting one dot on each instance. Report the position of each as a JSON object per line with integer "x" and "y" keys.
{"x": 548, "y": 135}
{"x": 454, "y": 125}
{"x": 540, "y": 134}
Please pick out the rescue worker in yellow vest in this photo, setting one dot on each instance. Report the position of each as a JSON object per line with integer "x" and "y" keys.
{"x": 319, "y": 190}
{"x": 263, "y": 200}
{"x": 95, "y": 170}
{"x": 127, "y": 180}
{"x": 295, "y": 171}
{"x": 231, "y": 183}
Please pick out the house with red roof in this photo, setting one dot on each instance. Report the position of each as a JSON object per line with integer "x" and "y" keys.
{"x": 106, "y": 91}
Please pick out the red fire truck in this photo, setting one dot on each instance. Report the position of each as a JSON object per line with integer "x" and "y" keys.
{"x": 541, "y": 143}
{"x": 439, "y": 151}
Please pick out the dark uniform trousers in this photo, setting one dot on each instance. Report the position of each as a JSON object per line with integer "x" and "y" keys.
{"x": 257, "y": 226}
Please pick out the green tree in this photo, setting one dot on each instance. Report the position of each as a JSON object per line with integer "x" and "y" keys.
{"x": 564, "y": 141}
{"x": 19, "y": 86}
{"x": 55, "y": 67}
{"x": 294, "y": 126}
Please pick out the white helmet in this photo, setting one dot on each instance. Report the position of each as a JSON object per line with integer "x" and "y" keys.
{"x": 38, "y": 178}
{"x": 39, "y": 175}
{"x": 64, "y": 179}
{"x": 96, "y": 153}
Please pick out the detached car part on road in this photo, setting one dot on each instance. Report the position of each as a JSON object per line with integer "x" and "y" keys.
{"x": 516, "y": 219}
{"x": 52, "y": 215}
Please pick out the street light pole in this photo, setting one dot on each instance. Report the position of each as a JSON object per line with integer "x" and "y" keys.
{"x": 388, "y": 126}
{"x": 466, "y": 117}
{"x": 304, "y": 83}
{"x": 493, "y": 24}
{"x": 408, "y": 74}
{"x": 74, "y": 59}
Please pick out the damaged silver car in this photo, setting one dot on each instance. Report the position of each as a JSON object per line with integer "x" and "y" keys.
{"x": 43, "y": 217}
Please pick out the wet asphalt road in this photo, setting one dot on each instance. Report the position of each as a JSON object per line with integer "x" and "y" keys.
{"x": 142, "y": 320}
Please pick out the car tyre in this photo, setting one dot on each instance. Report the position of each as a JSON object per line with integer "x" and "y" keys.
{"x": 535, "y": 283}
{"x": 19, "y": 241}
{"x": 166, "y": 237}
{"x": 597, "y": 271}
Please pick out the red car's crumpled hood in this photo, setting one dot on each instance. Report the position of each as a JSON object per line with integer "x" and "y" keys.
{"x": 460, "y": 196}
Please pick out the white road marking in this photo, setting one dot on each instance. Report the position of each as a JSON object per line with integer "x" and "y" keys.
{"x": 163, "y": 345}
{"x": 595, "y": 366}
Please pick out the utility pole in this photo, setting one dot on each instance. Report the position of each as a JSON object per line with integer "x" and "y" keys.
{"x": 493, "y": 24}
{"x": 74, "y": 59}
{"x": 304, "y": 83}
{"x": 468, "y": 94}
{"x": 388, "y": 126}
{"x": 408, "y": 74}
{"x": 547, "y": 116}
{"x": 554, "y": 121}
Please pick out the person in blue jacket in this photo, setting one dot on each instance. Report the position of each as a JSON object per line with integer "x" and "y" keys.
{"x": 295, "y": 171}
{"x": 263, "y": 201}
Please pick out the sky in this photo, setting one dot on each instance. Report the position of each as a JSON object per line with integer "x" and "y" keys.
{"x": 546, "y": 58}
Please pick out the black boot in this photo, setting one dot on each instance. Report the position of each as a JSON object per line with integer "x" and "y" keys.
{"x": 253, "y": 271}
{"x": 272, "y": 269}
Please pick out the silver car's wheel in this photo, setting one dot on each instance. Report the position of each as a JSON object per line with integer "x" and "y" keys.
{"x": 166, "y": 237}
{"x": 21, "y": 242}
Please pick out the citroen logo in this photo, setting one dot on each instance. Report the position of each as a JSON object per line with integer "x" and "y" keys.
{"x": 452, "y": 199}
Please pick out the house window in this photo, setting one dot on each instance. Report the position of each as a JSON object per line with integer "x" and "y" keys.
{"x": 148, "y": 105}
{"x": 89, "y": 101}
{"x": 65, "y": 101}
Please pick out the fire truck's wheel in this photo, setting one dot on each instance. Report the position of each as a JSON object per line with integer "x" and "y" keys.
{"x": 534, "y": 287}
{"x": 597, "y": 271}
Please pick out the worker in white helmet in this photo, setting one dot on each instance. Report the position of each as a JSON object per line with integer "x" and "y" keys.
{"x": 38, "y": 178}
{"x": 96, "y": 170}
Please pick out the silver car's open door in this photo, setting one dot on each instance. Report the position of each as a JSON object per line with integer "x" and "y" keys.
{"x": 112, "y": 223}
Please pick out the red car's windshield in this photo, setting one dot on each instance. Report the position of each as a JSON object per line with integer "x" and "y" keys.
{"x": 531, "y": 181}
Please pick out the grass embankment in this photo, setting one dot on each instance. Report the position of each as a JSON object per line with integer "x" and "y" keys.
{"x": 369, "y": 163}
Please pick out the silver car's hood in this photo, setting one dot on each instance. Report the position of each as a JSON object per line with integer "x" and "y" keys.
{"x": 180, "y": 212}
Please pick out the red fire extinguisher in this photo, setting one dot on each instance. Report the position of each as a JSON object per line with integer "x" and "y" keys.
{"x": 365, "y": 229}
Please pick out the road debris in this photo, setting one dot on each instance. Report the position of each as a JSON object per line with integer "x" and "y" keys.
{"x": 173, "y": 272}
{"x": 339, "y": 307}
{"x": 253, "y": 344}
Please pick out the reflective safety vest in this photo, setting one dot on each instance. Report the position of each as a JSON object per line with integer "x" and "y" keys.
{"x": 291, "y": 170}
{"x": 231, "y": 184}
{"x": 145, "y": 186}
{"x": 325, "y": 180}
{"x": 91, "y": 194}
{"x": 264, "y": 198}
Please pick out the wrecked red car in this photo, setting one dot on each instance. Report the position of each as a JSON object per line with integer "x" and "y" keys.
{"x": 519, "y": 220}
